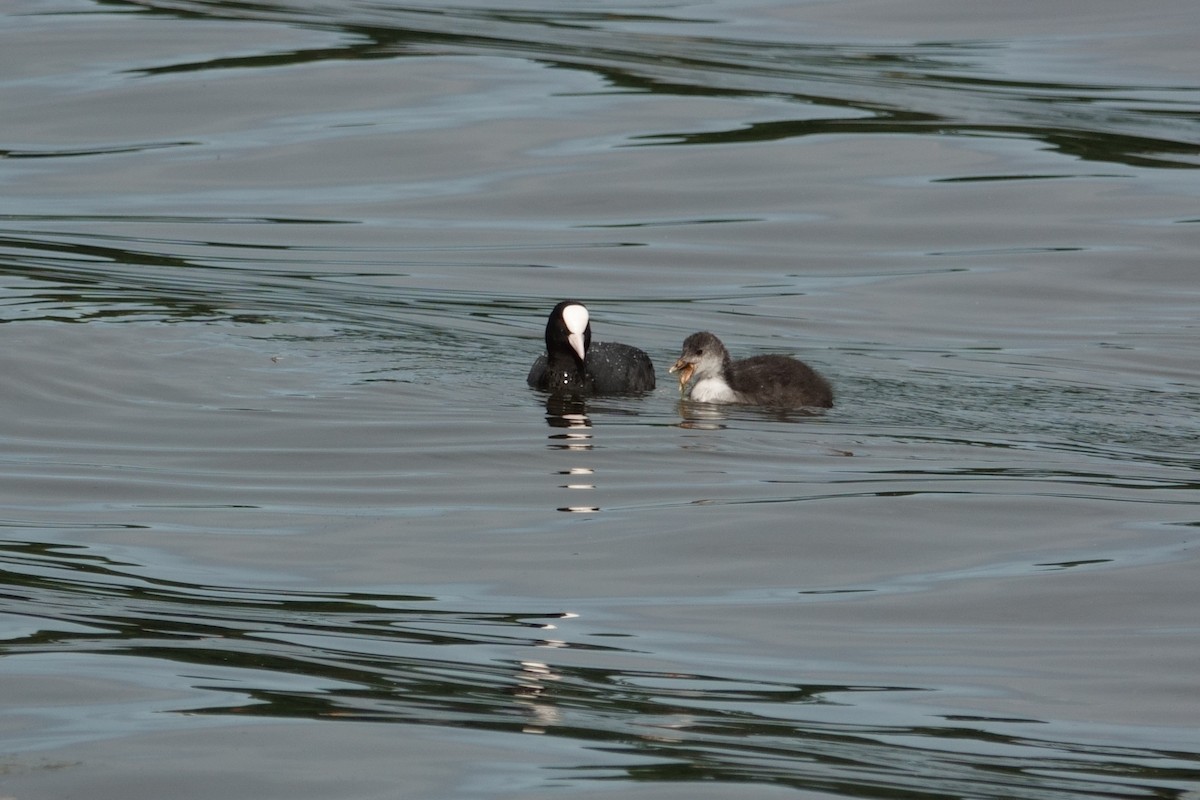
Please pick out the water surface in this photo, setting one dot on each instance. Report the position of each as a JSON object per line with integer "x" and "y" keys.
{"x": 280, "y": 517}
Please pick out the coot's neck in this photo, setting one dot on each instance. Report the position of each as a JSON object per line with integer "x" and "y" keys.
{"x": 724, "y": 371}
{"x": 726, "y": 365}
{"x": 566, "y": 369}
{"x": 566, "y": 373}
{"x": 564, "y": 359}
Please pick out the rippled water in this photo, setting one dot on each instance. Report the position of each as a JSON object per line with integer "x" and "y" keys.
{"x": 281, "y": 519}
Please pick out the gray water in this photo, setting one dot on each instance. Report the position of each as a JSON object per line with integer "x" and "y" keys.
{"x": 282, "y": 520}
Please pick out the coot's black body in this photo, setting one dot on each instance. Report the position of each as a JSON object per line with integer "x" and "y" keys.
{"x": 769, "y": 380}
{"x": 573, "y": 365}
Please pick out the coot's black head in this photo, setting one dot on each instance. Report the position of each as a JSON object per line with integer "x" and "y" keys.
{"x": 568, "y": 331}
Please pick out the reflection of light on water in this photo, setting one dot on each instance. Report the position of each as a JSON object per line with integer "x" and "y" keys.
{"x": 680, "y": 722}
{"x": 531, "y": 686}
{"x": 701, "y": 416}
{"x": 579, "y": 428}
{"x": 577, "y": 471}
{"x": 697, "y": 425}
{"x": 533, "y": 683}
{"x": 533, "y": 673}
{"x": 573, "y": 441}
{"x": 574, "y": 434}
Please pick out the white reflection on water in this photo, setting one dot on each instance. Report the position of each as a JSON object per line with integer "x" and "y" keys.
{"x": 701, "y": 416}
{"x": 532, "y": 680}
{"x": 578, "y": 471}
{"x": 571, "y": 414}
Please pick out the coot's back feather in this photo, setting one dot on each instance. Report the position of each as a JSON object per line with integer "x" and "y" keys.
{"x": 776, "y": 380}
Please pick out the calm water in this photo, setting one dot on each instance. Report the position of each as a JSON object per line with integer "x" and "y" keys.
{"x": 281, "y": 519}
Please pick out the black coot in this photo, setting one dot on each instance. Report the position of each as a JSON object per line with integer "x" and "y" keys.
{"x": 770, "y": 380}
{"x": 572, "y": 364}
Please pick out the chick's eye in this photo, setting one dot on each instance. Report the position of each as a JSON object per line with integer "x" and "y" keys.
{"x": 699, "y": 352}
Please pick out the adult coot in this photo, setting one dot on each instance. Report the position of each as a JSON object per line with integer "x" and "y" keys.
{"x": 770, "y": 380}
{"x": 573, "y": 365}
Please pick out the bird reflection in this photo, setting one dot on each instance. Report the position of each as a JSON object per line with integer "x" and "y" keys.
{"x": 532, "y": 684}
{"x": 701, "y": 416}
{"x": 571, "y": 430}
{"x": 574, "y": 474}
{"x": 533, "y": 681}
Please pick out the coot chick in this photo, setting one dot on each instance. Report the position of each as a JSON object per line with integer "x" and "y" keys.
{"x": 573, "y": 365}
{"x": 770, "y": 380}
